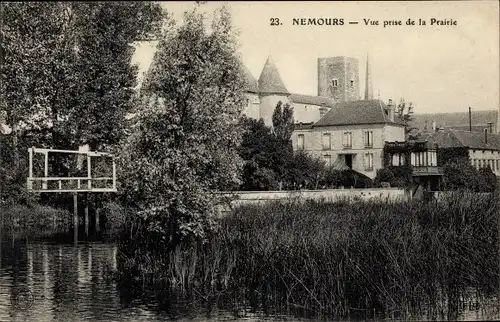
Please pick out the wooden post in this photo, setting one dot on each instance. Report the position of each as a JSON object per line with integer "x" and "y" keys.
{"x": 75, "y": 218}
{"x": 30, "y": 176}
{"x": 89, "y": 172}
{"x": 97, "y": 219}
{"x": 45, "y": 169}
{"x": 114, "y": 174}
{"x": 87, "y": 217}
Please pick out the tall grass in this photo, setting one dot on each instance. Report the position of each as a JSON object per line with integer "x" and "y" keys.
{"x": 364, "y": 258}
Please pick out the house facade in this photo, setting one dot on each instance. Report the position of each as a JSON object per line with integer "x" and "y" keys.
{"x": 483, "y": 148}
{"x": 351, "y": 134}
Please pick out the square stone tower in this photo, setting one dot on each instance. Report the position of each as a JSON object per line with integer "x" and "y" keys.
{"x": 338, "y": 78}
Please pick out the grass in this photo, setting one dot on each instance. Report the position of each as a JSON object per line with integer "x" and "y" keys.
{"x": 339, "y": 260}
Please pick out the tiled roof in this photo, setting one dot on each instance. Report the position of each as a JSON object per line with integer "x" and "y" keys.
{"x": 357, "y": 112}
{"x": 270, "y": 81}
{"x": 455, "y": 138}
{"x": 312, "y": 100}
{"x": 250, "y": 81}
{"x": 479, "y": 118}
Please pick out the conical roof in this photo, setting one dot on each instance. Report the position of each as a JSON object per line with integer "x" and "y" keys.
{"x": 250, "y": 81}
{"x": 270, "y": 81}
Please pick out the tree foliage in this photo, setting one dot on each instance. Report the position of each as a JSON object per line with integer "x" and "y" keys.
{"x": 185, "y": 138}
{"x": 65, "y": 74}
{"x": 461, "y": 175}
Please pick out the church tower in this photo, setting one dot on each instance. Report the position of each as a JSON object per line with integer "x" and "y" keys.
{"x": 338, "y": 78}
{"x": 368, "y": 81}
{"x": 271, "y": 91}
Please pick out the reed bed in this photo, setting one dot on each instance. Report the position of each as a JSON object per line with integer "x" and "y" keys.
{"x": 344, "y": 259}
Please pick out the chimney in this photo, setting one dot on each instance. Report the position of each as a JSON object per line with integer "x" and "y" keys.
{"x": 470, "y": 120}
{"x": 490, "y": 127}
{"x": 486, "y": 136}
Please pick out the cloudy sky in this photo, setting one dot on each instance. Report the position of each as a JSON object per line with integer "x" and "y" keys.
{"x": 438, "y": 68}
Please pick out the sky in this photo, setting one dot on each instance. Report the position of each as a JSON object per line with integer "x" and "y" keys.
{"x": 437, "y": 68}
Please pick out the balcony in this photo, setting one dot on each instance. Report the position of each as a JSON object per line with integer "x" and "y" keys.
{"x": 427, "y": 171}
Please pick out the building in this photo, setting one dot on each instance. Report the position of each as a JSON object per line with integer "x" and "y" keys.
{"x": 338, "y": 81}
{"x": 483, "y": 149}
{"x": 352, "y": 134}
{"x": 338, "y": 78}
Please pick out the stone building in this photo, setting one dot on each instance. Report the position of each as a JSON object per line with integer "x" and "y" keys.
{"x": 263, "y": 96}
{"x": 338, "y": 81}
{"x": 351, "y": 134}
{"x": 338, "y": 78}
{"x": 483, "y": 148}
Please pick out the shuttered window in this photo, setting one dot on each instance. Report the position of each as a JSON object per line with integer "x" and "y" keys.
{"x": 368, "y": 139}
{"x": 347, "y": 139}
{"x": 300, "y": 142}
{"x": 327, "y": 141}
{"x": 368, "y": 161}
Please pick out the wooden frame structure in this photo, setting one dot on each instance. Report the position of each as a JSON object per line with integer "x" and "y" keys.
{"x": 88, "y": 187}
{"x": 84, "y": 184}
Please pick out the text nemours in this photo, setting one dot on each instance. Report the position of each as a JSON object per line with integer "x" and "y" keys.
{"x": 310, "y": 21}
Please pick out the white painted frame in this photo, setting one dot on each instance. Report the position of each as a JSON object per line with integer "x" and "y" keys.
{"x": 89, "y": 179}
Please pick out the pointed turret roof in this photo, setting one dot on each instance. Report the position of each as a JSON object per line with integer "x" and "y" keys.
{"x": 250, "y": 81}
{"x": 270, "y": 81}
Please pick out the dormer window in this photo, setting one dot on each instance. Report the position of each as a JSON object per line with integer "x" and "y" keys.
{"x": 335, "y": 82}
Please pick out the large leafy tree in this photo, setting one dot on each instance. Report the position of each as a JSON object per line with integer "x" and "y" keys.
{"x": 186, "y": 133}
{"x": 66, "y": 72}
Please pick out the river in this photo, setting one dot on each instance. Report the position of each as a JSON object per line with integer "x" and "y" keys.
{"x": 61, "y": 282}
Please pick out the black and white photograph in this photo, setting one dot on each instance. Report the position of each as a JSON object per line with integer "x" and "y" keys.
{"x": 249, "y": 161}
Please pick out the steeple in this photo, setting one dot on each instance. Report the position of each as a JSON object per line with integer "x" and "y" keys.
{"x": 270, "y": 81}
{"x": 368, "y": 81}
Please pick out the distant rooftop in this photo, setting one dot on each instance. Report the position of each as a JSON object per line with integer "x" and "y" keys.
{"x": 357, "y": 112}
{"x": 450, "y": 138}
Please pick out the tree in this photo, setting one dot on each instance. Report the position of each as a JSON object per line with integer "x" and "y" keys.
{"x": 283, "y": 122}
{"x": 405, "y": 113}
{"x": 65, "y": 74}
{"x": 184, "y": 143}
{"x": 66, "y": 69}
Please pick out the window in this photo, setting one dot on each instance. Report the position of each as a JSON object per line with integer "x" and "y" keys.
{"x": 347, "y": 139}
{"x": 327, "y": 159}
{"x": 335, "y": 82}
{"x": 368, "y": 138}
{"x": 475, "y": 164}
{"x": 368, "y": 161}
{"x": 352, "y": 83}
{"x": 327, "y": 141}
{"x": 397, "y": 159}
{"x": 498, "y": 165}
{"x": 300, "y": 142}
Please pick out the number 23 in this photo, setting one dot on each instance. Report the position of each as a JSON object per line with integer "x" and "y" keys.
{"x": 275, "y": 21}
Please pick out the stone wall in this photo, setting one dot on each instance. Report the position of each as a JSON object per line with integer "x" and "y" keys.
{"x": 346, "y": 71}
{"x": 256, "y": 197}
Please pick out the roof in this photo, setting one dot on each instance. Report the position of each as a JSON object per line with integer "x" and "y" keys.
{"x": 250, "y": 81}
{"x": 357, "y": 112}
{"x": 479, "y": 118}
{"x": 450, "y": 138}
{"x": 270, "y": 81}
{"x": 312, "y": 100}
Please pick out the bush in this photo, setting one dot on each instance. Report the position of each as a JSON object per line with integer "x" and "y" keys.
{"x": 34, "y": 221}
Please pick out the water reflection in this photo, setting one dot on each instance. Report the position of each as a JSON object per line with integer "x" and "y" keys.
{"x": 70, "y": 283}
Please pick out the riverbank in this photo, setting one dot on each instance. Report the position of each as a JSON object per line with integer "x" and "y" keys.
{"x": 322, "y": 259}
